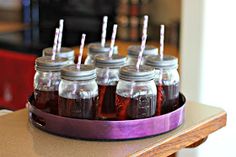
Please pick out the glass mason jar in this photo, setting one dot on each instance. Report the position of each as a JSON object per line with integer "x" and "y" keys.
{"x": 46, "y": 82}
{"x": 78, "y": 92}
{"x": 167, "y": 81}
{"x": 96, "y": 49}
{"x": 136, "y": 93}
{"x": 64, "y": 53}
{"x": 107, "y": 79}
{"x": 133, "y": 52}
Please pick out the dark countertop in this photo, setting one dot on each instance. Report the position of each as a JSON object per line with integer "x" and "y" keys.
{"x": 33, "y": 40}
{"x": 25, "y": 41}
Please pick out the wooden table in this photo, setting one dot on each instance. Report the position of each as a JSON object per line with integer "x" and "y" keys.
{"x": 19, "y": 138}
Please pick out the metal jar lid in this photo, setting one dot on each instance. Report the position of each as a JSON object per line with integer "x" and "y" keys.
{"x": 45, "y": 63}
{"x": 168, "y": 62}
{"x": 104, "y": 61}
{"x": 71, "y": 72}
{"x": 134, "y": 50}
{"x": 65, "y": 52}
{"x": 130, "y": 73}
{"x": 96, "y": 48}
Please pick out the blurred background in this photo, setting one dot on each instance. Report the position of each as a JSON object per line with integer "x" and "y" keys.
{"x": 200, "y": 33}
{"x": 28, "y": 26}
{"x": 85, "y": 16}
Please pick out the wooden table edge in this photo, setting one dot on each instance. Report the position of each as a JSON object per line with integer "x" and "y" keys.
{"x": 183, "y": 139}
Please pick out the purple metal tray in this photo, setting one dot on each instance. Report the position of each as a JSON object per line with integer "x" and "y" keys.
{"x": 106, "y": 130}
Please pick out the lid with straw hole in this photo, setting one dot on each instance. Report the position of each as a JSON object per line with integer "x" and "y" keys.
{"x": 115, "y": 61}
{"x": 131, "y": 73}
{"x": 134, "y": 50}
{"x": 96, "y": 48}
{"x": 46, "y": 63}
{"x": 167, "y": 62}
{"x": 65, "y": 52}
{"x": 72, "y": 72}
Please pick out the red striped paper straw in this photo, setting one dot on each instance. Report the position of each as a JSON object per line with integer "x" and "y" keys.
{"x": 160, "y": 93}
{"x": 104, "y": 31}
{"x": 54, "y": 48}
{"x": 113, "y": 39}
{"x": 162, "y": 31}
{"x": 61, "y": 23}
{"x": 81, "y": 50}
{"x": 143, "y": 43}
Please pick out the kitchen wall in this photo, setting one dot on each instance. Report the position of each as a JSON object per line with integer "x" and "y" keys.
{"x": 208, "y": 67}
{"x": 10, "y": 10}
{"x": 10, "y": 4}
{"x": 165, "y": 11}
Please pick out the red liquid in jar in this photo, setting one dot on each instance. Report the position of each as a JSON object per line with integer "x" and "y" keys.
{"x": 167, "y": 98}
{"x": 135, "y": 108}
{"x": 46, "y": 101}
{"x": 106, "y": 103}
{"x": 78, "y": 108}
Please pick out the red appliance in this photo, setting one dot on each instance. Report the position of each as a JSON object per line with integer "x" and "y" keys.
{"x": 16, "y": 78}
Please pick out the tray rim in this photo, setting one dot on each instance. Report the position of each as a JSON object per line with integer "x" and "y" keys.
{"x": 109, "y": 123}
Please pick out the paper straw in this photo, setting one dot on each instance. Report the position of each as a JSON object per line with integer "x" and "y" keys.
{"x": 145, "y": 24}
{"x": 104, "y": 31}
{"x": 61, "y": 23}
{"x": 131, "y": 89}
{"x": 54, "y": 48}
{"x": 49, "y": 80}
{"x": 162, "y": 31}
{"x": 81, "y": 50}
{"x": 143, "y": 43}
{"x": 113, "y": 39}
{"x": 160, "y": 94}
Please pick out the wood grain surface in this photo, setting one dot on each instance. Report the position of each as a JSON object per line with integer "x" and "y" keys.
{"x": 185, "y": 139}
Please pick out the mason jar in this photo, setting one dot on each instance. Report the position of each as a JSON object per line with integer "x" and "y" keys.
{"x": 136, "y": 93}
{"x": 167, "y": 81}
{"x": 107, "y": 78}
{"x": 78, "y": 92}
{"x": 46, "y": 82}
{"x": 96, "y": 49}
{"x": 133, "y": 52}
{"x": 65, "y": 52}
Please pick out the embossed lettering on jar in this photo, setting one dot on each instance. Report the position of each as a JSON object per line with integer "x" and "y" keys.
{"x": 78, "y": 92}
{"x": 136, "y": 93}
{"x": 107, "y": 79}
{"x": 167, "y": 81}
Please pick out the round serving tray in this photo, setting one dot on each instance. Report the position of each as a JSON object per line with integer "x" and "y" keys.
{"x": 106, "y": 130}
